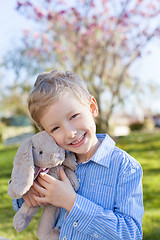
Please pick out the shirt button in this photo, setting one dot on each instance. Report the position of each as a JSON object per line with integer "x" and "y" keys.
{"x": 95, "y": 235}
{"x": 75, "y": 224}
{"x": 79, "y": 180}
{"x": 64, "y": 238}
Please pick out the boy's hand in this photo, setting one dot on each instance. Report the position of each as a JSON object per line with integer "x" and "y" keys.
{"x": 55, "y": 192}
{"x": 29, "y": 199}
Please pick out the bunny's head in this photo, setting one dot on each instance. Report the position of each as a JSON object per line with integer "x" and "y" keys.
{"x": 38, "y": 151}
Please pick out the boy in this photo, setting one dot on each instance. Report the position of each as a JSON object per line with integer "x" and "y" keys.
{"x": 109, "y": 202}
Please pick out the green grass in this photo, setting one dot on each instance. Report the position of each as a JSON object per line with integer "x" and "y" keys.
{"x": 6, "y": 210}
{"x": 145, "y": 147}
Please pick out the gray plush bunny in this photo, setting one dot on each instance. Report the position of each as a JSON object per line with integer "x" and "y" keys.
{"x": 36, "y": 153}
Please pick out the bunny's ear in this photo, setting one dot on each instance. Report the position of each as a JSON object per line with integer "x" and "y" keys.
{"x": 23, "y": 171}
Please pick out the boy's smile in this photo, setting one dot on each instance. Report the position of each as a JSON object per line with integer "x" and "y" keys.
{"x": 72, "y": 125}
{"x": 79, "y": 141}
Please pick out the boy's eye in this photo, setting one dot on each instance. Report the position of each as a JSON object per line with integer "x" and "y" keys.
{"x": 75, "y": 115}
{"x": 54, "y": 129}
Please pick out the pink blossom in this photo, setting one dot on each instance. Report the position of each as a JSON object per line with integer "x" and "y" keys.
{"x": 104, "y": 2}
{"x": 36, "y": 35}
{"x": 39, "y": 13}
{"x": 49, "y": 16}
{"x": 139, "y": 2}
{"x": 92, "y": 3}
{"x": 19, "y": 4}
{"x": 62, "y": 12}
{"x": 26, "y": 32}
{"x": 62, "y": 2}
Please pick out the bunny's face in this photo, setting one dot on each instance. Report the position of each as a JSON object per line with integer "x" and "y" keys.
{"x": 46, "y": 153}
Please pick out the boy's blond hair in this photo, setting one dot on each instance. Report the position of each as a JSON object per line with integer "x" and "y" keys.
{"x": 49, "y": 87}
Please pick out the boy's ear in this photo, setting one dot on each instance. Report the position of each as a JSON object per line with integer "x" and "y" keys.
{"x": 93, "y": 107}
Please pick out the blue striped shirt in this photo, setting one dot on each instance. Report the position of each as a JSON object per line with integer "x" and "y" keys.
{"x": 109, "y": 202}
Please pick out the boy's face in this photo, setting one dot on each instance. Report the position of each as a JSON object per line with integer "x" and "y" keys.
{"x": 72, "y": 125}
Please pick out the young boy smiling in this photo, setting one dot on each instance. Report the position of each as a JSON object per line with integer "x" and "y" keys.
{"x": 109, "y": 202}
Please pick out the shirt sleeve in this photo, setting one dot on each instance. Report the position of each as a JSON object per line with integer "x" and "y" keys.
{"x": 17, "y": 204}
{"x": 125, "y": 220}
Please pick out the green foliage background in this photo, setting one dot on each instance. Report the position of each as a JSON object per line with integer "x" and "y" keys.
{"x": 145, "y": 147}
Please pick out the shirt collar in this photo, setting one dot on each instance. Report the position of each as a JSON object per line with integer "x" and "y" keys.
{"x": 105, "y": 150}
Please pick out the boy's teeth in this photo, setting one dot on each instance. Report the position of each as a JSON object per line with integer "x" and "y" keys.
{"x": 78, "y": 140}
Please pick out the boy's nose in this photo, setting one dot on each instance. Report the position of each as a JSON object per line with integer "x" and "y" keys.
{"x": 70, "y": 132}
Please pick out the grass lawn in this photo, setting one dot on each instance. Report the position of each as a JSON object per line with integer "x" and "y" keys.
{"x": 6, "y": 211}
{"x": 145, "y": 147}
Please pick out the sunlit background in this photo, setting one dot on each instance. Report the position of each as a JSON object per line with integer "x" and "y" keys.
{"x": 139, "y": 105}
{"x": 100, "y": 48}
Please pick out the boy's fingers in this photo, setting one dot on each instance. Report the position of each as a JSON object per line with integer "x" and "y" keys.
{"x": 39, "y": 200}
{"x": 37, "y": 193}
{"x": 34, "y": 203}
{"x": 39, "y": 189}
{"x": 29, "y": 201}
{"x": 62, "y": 175}
{"x": 46, "y": 177}
{"x": 41, "y": 181}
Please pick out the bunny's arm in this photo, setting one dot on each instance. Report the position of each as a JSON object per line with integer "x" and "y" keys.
{"x": 70, "y": 161}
